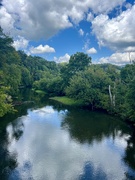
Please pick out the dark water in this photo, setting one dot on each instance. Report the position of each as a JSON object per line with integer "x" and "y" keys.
{"x": 52, "y": 142}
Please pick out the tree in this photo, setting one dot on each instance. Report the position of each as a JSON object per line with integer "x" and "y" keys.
{"x": 12, "y": 77}
{"x": 78, "y": 62}
{"x": 8, "y": 54}
{"x": 131, "y": 100}
{"x": 26, "y": 80}
{"x": 90, "y": 86}
{"x": 5, "y": 99}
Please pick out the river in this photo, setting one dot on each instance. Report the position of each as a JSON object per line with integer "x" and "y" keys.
{"x": 54, "y": 142}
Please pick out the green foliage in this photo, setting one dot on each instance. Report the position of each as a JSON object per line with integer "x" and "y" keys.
{"x": 51, "y": 85}
{"x": 20, "y": 71}
{"x": 125, "y": 93}
{"x": 128, "y": 79}
{"x": 8, "y": 55}
{"x": 5, "y": 101}
{"x": 90, "y": 86}
{"x": 9, "y": 64}
{"x": 40, "y": 92}
{"x": 78, "y": 62}
{"x": 12, "y": 77}
{"x": 128, "y": 73}
{"x": 5, "y": 98}
{"x": 131, "y": 99}
{"x": 26, "y": 79}
{"x": 112, "y": 71}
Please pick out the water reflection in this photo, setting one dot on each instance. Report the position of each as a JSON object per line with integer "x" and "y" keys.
{"x": 61, "y": 145}
{"x": 87, "y": 126}
{"x": 89, "y": 173}
{"x": 8, "y": 160}
{"x": 129, "y": 157}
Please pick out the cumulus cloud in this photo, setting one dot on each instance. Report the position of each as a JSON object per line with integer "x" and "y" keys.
{"x": 105, "y": 6}
{"x": 61, "y": 59}
{"x": 35, "y": 20}
{"x": 6, "y": 20}
{"x": 43, "y": 19}
{"x": 20, "y": 43}
{"x": 117, "y": 33}
{"x": 91, "y": 51}
{"x": 42, "y": 49}
{"x": 90, "y": 17}
{"x": 118, "y": 58}
{"x": 81, "y": 32}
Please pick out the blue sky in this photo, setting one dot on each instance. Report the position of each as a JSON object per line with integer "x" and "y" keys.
{"x": 55, "y": 29}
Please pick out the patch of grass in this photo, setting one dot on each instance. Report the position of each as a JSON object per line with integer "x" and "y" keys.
{"x": 39, "y": 92}
{"x": 67, "y": 101}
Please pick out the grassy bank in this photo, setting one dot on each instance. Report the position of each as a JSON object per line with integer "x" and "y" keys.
{"x": 39, "y": 92}
{"x": 67, "y": 101}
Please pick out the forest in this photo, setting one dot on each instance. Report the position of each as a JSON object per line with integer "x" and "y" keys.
{"x": 98, "y": 86}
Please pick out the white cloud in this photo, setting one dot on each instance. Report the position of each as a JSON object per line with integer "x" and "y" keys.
{"x": 81, "y": 32}
{"x": 91, "y": 51}
{"x": 6, "y": 20}
{"x": 86, "y": 45}
{"x": 105, "y": 6}
{"x": 43, "y": 19}
{"x": 20, "y": 43}
{"x": 118, "y": 58}
{"x": 61, "y": 59}
{"x": 117, "y": 33}
{"x": 35, "y": 20}
{"x": 41, "y": 49}
{"x": 90, "y": 17}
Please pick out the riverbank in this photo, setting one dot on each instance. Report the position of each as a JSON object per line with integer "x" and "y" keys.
{"x": 67, "y": 101}
{"x": 72, "y": 102}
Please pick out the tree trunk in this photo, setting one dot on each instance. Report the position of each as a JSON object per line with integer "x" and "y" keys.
{"x": 110, "y": 94}
{"x": 112, "y": 97}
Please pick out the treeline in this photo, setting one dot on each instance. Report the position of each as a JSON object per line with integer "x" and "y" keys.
{"x": 98, "y": 86}
{"x": 17, "y": 71}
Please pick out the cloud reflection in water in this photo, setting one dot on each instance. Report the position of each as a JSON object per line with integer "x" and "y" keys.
{"x": 46, "y": 151}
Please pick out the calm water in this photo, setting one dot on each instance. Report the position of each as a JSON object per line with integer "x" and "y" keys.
{"x": 56, "y": 143}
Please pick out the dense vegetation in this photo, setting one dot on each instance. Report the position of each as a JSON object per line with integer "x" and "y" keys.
{"x": 101, "y": 86}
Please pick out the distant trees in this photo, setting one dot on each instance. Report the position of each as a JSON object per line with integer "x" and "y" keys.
{"x": 17, "y": 70}
{"x": 55, "y": 84}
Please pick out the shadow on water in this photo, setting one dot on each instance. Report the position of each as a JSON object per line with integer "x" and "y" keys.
{"x": 93, "y": 126}
{"x": 7, "y": 161}
{"x": 129, "y": 157}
